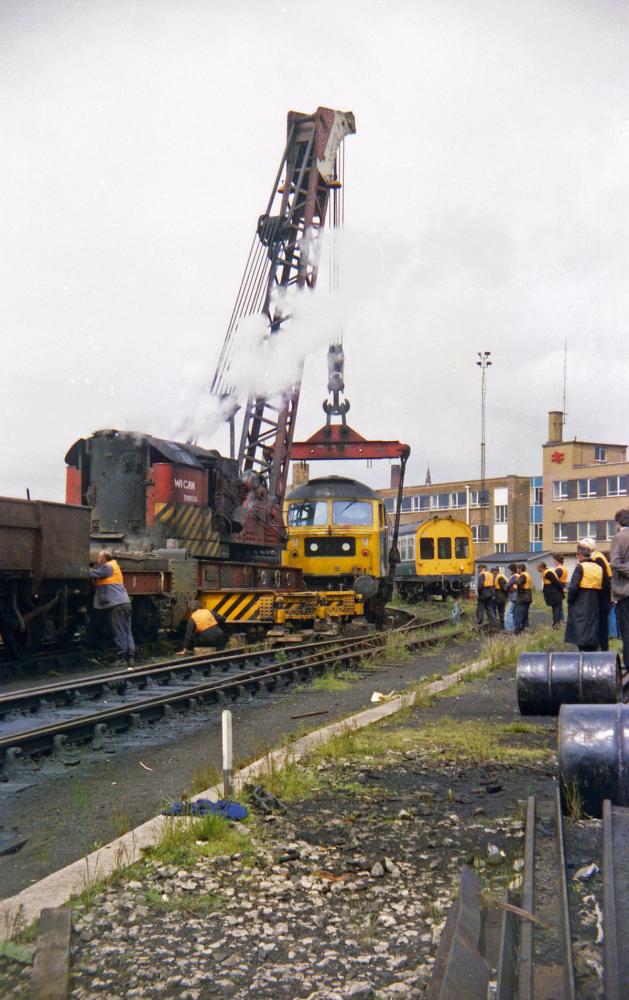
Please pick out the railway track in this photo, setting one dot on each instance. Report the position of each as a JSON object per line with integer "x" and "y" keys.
{"x": 84, "y": 711}
{"x": 534, "y": 957}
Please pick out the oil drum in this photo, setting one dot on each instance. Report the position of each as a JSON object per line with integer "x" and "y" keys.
{"x": 593, "y": 747}
{"x": 545, "y": 681}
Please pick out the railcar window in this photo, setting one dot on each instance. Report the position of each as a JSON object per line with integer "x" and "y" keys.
{"x": 444, "y": 548}
{"x": 426, "y": 548}
{"x": 461, "y": 548}
{"x": 310, "y": 514}
{"x": 353, "y": 512}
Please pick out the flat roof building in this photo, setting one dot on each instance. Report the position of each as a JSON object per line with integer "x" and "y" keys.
{"x": 584, "y": 484}
{"x": 499, "y": 516}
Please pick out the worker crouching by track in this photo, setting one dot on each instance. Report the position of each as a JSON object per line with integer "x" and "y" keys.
{"x": 203, "y": 629}
{"x": 110, "y": 595}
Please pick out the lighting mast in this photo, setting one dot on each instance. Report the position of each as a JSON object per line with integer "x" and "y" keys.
{"x": 484, "y": 363}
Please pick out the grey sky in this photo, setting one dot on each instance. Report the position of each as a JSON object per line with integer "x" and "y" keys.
{"x": 487, "y": 208}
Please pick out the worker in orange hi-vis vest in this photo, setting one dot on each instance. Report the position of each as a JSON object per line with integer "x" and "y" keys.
{"x": 110, "y": 595}
{"x": 606, "y": 591}
{"x": 584, "y": 593}
{"x": 562, "y": 575}
{"x": 203, "y": 629}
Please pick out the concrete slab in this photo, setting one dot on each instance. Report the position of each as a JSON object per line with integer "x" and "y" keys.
{"x": 51, "y": 965}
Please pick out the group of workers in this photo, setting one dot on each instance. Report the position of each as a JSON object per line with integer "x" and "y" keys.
{"x": 598, "y": 589}
{"x": 504, "y": 600}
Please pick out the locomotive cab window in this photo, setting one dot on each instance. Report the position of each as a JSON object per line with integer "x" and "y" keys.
{"x": 310, "y": 514}
{"x": 426, "y": 548}
{"x": 461, "y": 548}
{"x": 352, "y": 512}
{"x": 444, "y": 548}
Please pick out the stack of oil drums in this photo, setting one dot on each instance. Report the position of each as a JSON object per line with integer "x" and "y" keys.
{"x": 593, "y": 732}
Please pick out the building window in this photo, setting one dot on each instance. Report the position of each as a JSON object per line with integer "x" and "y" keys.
{"x": 458, "y": 500}
{"x": 617, "y": 486}
{"x": 560, "y": 532}
{"x": 501, "y": 547}
{"x": 560, "y": 489}
{"x": 389, "y": 505}
{"x": 535, "y": 533}
{"x": 611, "y": 530}
{"x": 405, "y": 506}
{"x": 600, "y": 453}
{"x": 585, "y": 488}
{"x": 480, "y": 532}
{"x": 537, "y": 495}
{"x": 479, "y": 498}
{"x": 586, "y": 529}
{"x": 501, "y": 514}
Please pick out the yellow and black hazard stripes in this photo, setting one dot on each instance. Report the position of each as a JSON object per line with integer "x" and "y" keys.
{"x": 190, "y": 524}
{"x": 259, "y": 606}
{"x": 240, "y": 606}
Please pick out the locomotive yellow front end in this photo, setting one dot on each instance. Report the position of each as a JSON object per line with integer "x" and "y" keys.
{"x": 336, "y": 533}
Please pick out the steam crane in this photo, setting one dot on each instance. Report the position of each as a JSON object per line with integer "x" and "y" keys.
{"x": 282, "y": 262}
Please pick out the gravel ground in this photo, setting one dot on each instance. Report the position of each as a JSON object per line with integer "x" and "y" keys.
{"x": 346, "y": 893}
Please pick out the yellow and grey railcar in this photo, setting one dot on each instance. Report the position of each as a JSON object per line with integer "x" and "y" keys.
{"x": 436, "y": 559}
{"x": 337, "y": 535}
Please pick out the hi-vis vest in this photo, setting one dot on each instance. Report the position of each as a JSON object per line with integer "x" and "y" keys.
{"x": 592, "y": 578}
{"x": 488, "y": 579}
{"x": 561, "y": 573}
{"x": 599, "y": 555}
{"x": 116, "y": 576}
{"x": 203, "y": 619}
{"x": 528, "y": 583}
{"x": 551, "y": 577}
{"x": 499, "y": 577}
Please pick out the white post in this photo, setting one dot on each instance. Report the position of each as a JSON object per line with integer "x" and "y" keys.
{"x": 228, "y": 772}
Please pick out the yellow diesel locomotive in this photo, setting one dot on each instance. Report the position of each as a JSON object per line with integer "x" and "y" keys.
{"x": 436, "y": 559}
{"x": 337, "y": 536}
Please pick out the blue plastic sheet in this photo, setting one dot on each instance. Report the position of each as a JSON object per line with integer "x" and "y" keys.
{"x": 205, "y": 807}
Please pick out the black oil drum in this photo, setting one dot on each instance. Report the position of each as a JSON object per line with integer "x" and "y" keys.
{"x": 546, "y": 681}
{"x": 593, "y": 747}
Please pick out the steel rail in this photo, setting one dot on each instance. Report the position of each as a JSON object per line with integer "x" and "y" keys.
{"x": 615, "y": 899}
{"x": 91, "y": 726}
{"x": 63, "y": 692}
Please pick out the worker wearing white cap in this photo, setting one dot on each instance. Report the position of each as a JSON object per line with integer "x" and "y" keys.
{"x": 605, "y": 596}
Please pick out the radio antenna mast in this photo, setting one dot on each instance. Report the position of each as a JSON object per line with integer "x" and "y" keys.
{"x": 565, "y": 369}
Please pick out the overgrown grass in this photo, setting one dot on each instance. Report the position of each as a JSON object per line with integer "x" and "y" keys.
{"x": 573, "y": 800}
{"x": 290, "y": 783}
{"x": 333, "y": 680}
{"x": 183, "y": 841}
{"x": 447, "y": 738}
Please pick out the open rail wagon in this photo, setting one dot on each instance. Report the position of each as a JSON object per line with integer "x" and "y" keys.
{"x": 436, "y": 559}
{"x": 44, "y": 572}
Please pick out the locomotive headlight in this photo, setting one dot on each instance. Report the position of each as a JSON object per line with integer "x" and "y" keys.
{"x": 313, "y": 547}
{"x": 345, "y": 546}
